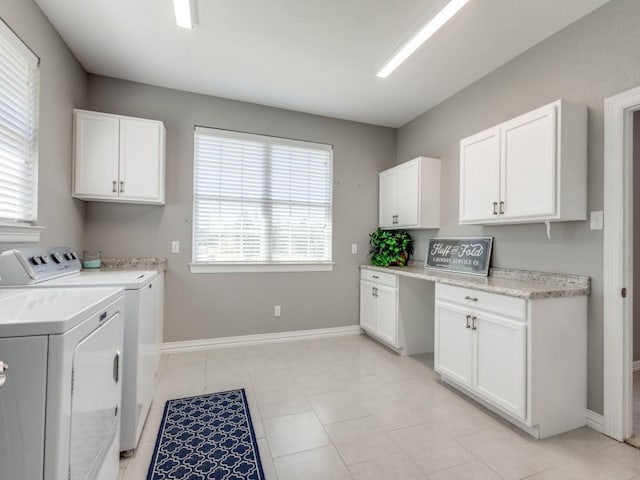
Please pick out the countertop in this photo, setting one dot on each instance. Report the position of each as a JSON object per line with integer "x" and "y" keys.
{"x": 513, "y": 283}
{"x": 134, "y": 263}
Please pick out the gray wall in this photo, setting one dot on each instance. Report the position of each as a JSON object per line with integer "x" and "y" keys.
{"x": 63, "y": 86}
{"x": 591, "y": 59}
{"x": 200, "y": 306}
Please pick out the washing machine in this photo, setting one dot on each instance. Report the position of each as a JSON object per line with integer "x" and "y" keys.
{"x": 60, "y": 267}
{"x": 60, "y": 383}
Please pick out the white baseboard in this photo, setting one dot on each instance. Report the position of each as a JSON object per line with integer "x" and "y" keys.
{"x": 210, "y": 343}
{"x": 636, "y": 365}
{"x": 595, "y": 421}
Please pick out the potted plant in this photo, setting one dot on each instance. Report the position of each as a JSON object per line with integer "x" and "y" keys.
{"x": 390, "y": 247}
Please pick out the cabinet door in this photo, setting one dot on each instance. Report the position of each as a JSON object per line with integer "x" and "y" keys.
{"x": 480, "y": 177}
{"x": 500, "y": 359}
{"x": 141, "y": 162}
{"x": 387, "y": 205}
{"x": 453, "y": 347}
{"x": 407, "y": 197}
{"x": 529, "y": 164}
{"x": 387, "y": 314}
{"x": 96, "y": 154}
{"x": 367, "y": 306}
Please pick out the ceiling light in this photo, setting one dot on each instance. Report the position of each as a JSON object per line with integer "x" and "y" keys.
{"x": 183, "y": 11}
{"x": 442, "y": 17}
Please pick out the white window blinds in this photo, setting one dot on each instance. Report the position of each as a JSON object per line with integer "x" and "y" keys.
{"x": 260, "y": 200}
{"x": 19, "y": 99}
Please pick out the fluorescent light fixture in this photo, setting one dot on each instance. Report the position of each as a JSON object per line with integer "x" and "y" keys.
{"x": 182, "y": 9}
{"x": 442, "y": 17}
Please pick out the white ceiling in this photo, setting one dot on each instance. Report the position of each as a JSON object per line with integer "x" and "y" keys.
{"x": 316, "y": 56}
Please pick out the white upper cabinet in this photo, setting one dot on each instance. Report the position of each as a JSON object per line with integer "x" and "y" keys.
{"x": 118, "y": 159}
{"x": 388, "y": 198}
{"x": 410, "y": 195}
{"x": 530, "y": 169}
{"x": 480, "y": 175}
{"x": 96, "y": 154}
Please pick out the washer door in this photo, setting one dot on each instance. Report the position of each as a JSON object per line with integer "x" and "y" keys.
{"x": 95, "y": 402}
{"x": 22, "y": 407}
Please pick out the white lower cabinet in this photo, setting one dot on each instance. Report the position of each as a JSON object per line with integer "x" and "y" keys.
{"x": 500, "y": 362}
{"x": 524, "y": 359}
{"x": 397, "y": 311}
{"x": 454, "y": 343}
{"x": 379, "y": 308}
{"x": 368, "y": 306}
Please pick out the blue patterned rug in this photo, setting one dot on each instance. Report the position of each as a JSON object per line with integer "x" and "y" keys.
{"x": 208, "y": 437}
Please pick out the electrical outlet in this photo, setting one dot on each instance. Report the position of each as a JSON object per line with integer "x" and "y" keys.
{"x": 354, "y": 248}
{"x": 175, "y": 246}
{"x": 276, "y": 311}
{"x": 596, "y": 220}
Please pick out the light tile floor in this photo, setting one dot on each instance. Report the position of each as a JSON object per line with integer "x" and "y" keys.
{"x": 348, "y": 408}
{"x": 635, "y": 439}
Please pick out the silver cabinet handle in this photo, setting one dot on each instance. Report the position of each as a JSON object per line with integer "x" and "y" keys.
{"x": 114, "y": 190}
{"x": 501, "y": 208}
{"x": 374, "y": 276}
{"x": 473, "y": 299}
{"x": 121, "y": 186}
{"x": 374, "y": 291}
{"x": 473, "y": 323}
{"x": 468, "y": 318}
{"x": 495, "y": 208}
{"x": 116, "y": 366}
{"x": 3, "y": 376}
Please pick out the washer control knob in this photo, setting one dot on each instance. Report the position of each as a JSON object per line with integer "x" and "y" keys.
{"x": 3, "y": 376}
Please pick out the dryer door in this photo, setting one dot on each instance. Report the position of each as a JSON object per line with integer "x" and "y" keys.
{"x": 22, "y": 407}
{"x": 95, "y": 402}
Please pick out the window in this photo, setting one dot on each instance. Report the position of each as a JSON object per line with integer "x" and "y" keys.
{"x": 260, "y": 203}
{"x": 19, "y": 98}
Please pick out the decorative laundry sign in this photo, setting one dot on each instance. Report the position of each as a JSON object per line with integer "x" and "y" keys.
{"x": 460, "y": 255}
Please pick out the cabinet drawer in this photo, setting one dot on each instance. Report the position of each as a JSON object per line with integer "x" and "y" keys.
{"x": 382, "y": 278}
{"x": 504, "y": 305}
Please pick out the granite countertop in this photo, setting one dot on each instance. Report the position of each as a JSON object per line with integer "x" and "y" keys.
{"x": 135, "y": 263}
{"x": 513, "y": 283}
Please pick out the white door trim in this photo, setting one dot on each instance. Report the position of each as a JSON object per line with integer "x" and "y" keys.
{"x": 618, "y": 261}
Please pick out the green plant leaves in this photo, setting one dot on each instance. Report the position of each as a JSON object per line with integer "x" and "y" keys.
{"x": 390, "y": 247}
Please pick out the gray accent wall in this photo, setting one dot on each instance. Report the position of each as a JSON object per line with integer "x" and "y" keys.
{"x": 201, "y": 306}
{"x": 594, "y": 58}
{"x": 63, "y": 86}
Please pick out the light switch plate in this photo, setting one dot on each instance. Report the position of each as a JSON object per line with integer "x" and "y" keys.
{"x": 354, "y": 248}
{"x": 175, "y": 246}
{"x": 596, "y": 220}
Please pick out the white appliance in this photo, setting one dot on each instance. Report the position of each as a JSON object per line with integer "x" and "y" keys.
{"x": 60, "y": 388}
{"x": 37, "y": 267}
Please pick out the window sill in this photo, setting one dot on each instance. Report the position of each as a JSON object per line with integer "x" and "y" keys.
{"x": 19, "y": 233}
{"x": 259, "y": 268}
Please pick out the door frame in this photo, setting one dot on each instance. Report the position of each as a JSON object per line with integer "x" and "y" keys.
{"x": 618, "y": 263}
